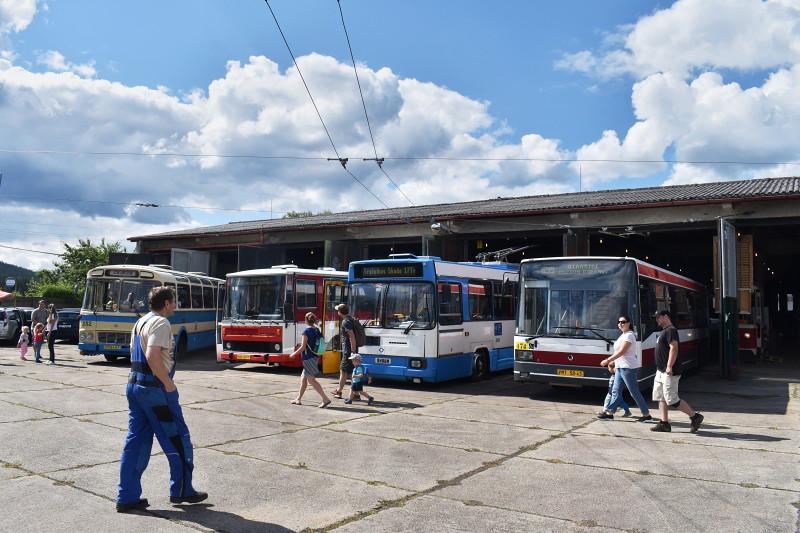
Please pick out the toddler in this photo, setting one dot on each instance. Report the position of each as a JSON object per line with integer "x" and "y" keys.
{"x": 622, "y": 402}
{"x": 358, "y": 379}
{"x": 38, "y": 340}
{"x": 23, "y": 342}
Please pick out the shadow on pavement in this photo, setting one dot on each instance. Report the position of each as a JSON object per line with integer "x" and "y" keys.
{"x": 206, "y": 516}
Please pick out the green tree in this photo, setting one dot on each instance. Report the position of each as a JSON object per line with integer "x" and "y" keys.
{"x": 71, "y": 270}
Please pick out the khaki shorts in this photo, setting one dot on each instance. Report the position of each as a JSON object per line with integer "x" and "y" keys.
{"x": 665, "y": 388}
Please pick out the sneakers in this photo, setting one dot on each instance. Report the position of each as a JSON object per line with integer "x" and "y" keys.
{"x": 49, "y": 363}
{"x": 141, "y": 505}
{"x": 602, "y": 415}
{"x": 348, "y": 401}
{"x": 626, "y": 414}
{"x": 696, "y": 420}
{"x": 662, "y": 427}
{"x": 194, "y": 498}
{"x": 644, "y": 418}
{"x": 370, "y": 399}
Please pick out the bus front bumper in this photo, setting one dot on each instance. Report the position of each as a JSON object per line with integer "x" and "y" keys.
{"x": 585, "y": 376}
{"x": 92, "y": 348}
{"x": 397, "y": 368}
{"x": 262, "y": 358}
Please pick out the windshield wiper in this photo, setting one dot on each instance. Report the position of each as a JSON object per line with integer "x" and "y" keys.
{"x": 593, "y": 330}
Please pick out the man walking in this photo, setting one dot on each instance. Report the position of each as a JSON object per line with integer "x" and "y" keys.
{"x": 348, "y": 339}
{"x": 39, "y": 316}
{"x": 154, "y": 409}
{"x": 668, "y": 374}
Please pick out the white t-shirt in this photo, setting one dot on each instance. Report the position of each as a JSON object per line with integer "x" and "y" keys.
{"x": 156, "y": 332}
{"x": 628, "y": 359}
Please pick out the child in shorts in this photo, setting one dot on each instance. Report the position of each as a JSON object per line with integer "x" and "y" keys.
{"x": 23, "y": 342}
{"x": 358, "y": 379}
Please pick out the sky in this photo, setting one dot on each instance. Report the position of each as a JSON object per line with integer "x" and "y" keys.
{"x": 466, "y": 100}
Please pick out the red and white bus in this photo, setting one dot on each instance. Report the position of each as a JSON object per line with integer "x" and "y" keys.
{"x": 568, "y": 315}
{"x": 264, "y": 312}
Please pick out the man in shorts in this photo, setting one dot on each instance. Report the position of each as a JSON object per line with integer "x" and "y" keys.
{"x": 348, "y": 339}
{"x": 668, "y": 374}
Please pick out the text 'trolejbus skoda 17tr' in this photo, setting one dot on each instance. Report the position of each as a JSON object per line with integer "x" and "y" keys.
{"x": 431, "y": 320}
{"x": 569, "y": 309}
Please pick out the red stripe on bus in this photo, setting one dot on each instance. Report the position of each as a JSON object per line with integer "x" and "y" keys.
{"x": 663, "y": 275}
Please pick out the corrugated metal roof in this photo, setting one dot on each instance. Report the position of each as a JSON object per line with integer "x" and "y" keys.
{"x": 751, "y": 189}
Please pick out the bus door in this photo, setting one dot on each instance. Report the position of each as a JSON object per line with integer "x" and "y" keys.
{"x": 219, "y": 296}
{"x": 335, "y": 293}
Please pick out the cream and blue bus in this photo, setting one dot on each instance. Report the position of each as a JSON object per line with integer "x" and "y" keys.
{"x": 429, "y": 320}
{"x": 116, "y": 296}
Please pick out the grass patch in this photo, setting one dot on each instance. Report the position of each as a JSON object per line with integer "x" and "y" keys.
{"x": 472, "y": 503}
{"x": 65, "y": 482}
{"x": 587, "y": 523}
{"x": 556, "y": 461}
{"x": 749, "y": 485}
{"x": 645, "y": 473}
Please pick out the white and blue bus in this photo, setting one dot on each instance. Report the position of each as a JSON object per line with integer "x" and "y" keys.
{"x": 116, "y": 296}
{"x": 428, "y": 320}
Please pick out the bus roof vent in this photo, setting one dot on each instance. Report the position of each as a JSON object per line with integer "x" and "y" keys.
{"x": 198, "y": 273}
{"x": 284, "y": 266}
{"x": 165, "y": 267}
{"x": 327, "y": 269}
{"x": 402, "y": 256}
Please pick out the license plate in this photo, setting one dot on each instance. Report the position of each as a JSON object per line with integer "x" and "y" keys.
{"x": 64, "y": 326}
{"x": 112, "y": 346}
{"x": 242, "y": 357}
{"x": 383, "y": 360}
{"x": 572, "y": 373}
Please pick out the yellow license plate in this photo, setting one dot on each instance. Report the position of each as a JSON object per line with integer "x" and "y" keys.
{"x": 521, "y": 345}
{"x": 242, "y": 357}
{"x": 572, "y": 373}
{"x": 112, "y": 347}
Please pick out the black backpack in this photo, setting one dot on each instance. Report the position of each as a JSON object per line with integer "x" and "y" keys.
{"x": 358, "y": 332}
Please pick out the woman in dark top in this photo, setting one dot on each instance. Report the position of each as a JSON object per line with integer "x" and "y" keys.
{"x": 52, "y": 331}
{"x": 311, "y": 336}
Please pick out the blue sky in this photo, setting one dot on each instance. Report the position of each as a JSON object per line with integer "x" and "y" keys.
{"x": 617, "y": 80}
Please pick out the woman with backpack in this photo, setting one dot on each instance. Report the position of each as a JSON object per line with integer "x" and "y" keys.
{"x": 310, "y": 349}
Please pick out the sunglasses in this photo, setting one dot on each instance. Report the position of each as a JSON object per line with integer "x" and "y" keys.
{"x": 622, "y": 322}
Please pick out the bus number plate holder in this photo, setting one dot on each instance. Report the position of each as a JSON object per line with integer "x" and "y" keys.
{"x": 242, "y": 357}
{"x": 571, "y": 373}
{"x": 112, "y": 347}
{"x": 383, "y": 361}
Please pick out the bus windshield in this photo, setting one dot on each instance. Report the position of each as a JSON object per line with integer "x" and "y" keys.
{"x": 117, "y": 295}
{"x": 257, "y": 297}
{"x": 393, "y": 305}
{"x": 577, "y": 297}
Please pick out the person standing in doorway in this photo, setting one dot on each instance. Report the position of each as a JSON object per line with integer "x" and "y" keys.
{"x": 51, "y": 329}
{"x": 154, "y": 409}
{"x": 668, "y": 374}
{"x": 627, "y": 364}
{"x": 348, "y": 339}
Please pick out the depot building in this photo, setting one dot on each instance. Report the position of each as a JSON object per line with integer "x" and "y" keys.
{"x": 675, "y": 227}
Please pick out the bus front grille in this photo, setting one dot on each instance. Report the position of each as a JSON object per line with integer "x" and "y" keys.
{"x": 113, "y": 337}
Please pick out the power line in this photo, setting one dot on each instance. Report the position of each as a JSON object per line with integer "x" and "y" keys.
{"x": 397, "y": 158}
{"x": 29, "y": 250}
{"x": 377, "y": 159}
{"x": 341, "y": 160}
{"x": 145, "y": 204}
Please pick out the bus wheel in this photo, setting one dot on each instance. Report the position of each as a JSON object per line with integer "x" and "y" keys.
{"x": 480, "y": 366}
{"x": 111, "y": 358}
{"x": 180, "y": 349}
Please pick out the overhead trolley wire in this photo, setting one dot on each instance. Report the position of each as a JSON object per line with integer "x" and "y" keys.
{"x": 24, "y": 151}
{"x": 147, "y": 204}
{"x": 339, "y": 158}
{"x": 378, "y": 160}
{"x": 28, "y": 250}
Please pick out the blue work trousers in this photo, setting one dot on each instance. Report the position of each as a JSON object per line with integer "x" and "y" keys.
{"x": 630, "y": 377}
{"x": 153, "y": 411}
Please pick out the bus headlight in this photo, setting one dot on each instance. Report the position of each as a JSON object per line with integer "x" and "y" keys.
{"x": 524, "y": 355}
{"x": 277, "y": 348}
{"x": 417, "y": 363}
{"x": 86, "y": 336}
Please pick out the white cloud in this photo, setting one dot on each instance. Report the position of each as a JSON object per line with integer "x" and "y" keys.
{"x": 694, "y": 35}
{"x": 16, "y": 15}
{"x": 56, "y": 61}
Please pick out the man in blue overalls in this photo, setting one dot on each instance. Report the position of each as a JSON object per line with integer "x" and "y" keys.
{"x": 154, "y": 409}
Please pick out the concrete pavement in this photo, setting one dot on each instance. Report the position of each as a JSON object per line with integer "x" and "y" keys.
{"x": 456, "y": 457}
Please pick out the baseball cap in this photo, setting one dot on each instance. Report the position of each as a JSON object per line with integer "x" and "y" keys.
{"x": 355, "y": 356}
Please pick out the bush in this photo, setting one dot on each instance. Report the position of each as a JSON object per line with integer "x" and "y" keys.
{"x": 58, "y": 291}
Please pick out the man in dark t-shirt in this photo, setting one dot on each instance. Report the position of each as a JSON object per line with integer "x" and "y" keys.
{"x": 348, "y": 338}
{"x": 668, "y": 374}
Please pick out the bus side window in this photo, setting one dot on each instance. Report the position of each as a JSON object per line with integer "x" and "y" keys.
{"x": 647, "y": 308}
{"x": 183, "y": 296}
{"x": 479, "y": 300}
{"x": 504, "y": 300}
{"x": 450, "y": 310}
{"x": 306, "y": 293}
{"x": 209, "y": 302}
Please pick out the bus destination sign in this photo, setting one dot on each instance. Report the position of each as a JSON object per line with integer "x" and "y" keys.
{"x": 122, "y": 273}
{"x": 389, "y": 270}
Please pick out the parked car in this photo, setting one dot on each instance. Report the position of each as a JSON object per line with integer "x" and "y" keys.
{"x": 28, "y": 312}
{"x": 11, "y": 321}
{"x": 68, "y": 327}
